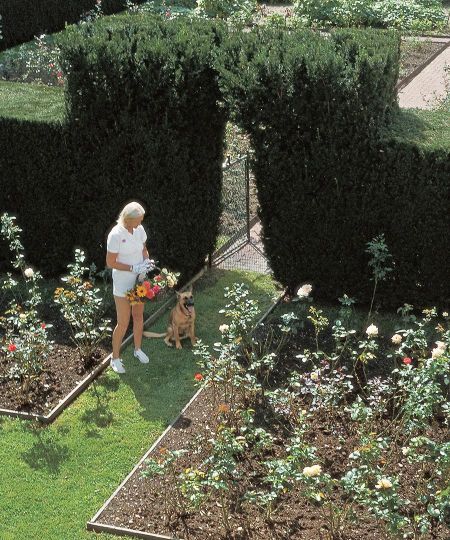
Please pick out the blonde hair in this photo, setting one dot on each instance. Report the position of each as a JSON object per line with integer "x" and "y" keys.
{"x": 131, "y": 210}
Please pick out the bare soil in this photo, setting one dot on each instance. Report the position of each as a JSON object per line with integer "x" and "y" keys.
{"x": 61, "y": 373}
{"x": 414, "y": 54}
{"x": 154, "y": 505}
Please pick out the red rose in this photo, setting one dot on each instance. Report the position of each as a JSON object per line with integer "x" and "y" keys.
{"x": 198, "y": 377}
{"x": 407, "y": 361}
{"x": 150, "y": 294}
{"x": 43, "y": 325}
{"x": 158, "y": 278}
{"x": 146, "y": 284}
{"x": 11, "y": 347}
{"x": 156, "y": 289}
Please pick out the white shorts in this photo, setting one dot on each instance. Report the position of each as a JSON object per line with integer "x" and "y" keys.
{"x": 123, "y": 281}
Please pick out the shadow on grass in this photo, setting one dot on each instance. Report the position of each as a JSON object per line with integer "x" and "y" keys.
{"x": 47, "y": 452}
{"x": 407, "y": 126}
{"x": 101, "y": 416}
{"x": 164, "y": 386}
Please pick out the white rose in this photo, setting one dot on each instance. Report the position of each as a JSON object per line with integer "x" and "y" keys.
{"x": 304, "y": 290}
{"x": 438, "y": 350}
{"x": 396, "y": 339}
{"x": 445, "y": 314}
{"x": 310, "y": 472}
{"x": 224, "y": 328}
{"x": 315, "y": 376}
{"x": 384, "y": 483}
{"x": 29, "y": 272}
{"x": 372, "y": 331}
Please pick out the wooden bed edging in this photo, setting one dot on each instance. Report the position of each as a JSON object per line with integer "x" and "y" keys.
{"x": 95, "y": 526}
{"x": 406, "y": 80}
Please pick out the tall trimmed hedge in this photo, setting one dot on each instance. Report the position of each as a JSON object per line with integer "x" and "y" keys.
{"x": 327, "y": 183}
{"x": 144, "y": 122}
{"x": 24, "y": 19}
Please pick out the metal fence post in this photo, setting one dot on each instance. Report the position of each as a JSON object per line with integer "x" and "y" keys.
{"x": 247, "y": 194}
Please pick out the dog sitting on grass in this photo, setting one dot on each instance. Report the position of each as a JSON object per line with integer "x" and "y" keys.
{"x": 181, "y": 321}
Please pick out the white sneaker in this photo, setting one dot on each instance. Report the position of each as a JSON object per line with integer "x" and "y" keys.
{"x": 141, "y": 356}
{"x": 117, "y": 366}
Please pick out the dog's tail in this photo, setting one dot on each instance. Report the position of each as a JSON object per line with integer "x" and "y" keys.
{"x": 152, "y": 334}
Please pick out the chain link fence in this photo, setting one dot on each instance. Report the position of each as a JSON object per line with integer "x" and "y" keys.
{"x": 239, "y": 244}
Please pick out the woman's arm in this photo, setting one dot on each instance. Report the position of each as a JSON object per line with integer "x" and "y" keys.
{"x": 145, "y": 253}
{"x": 111, "y": 262}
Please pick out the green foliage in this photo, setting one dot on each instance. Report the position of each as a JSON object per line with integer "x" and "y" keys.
{"x": 24, "y": 335}
{"x": 390, "y": 420}
{"x": 418, "y": 15}
{"x": 328, "y": 175}
{"x": 137, "y": 127}
{"x": 80, "y": 303}
{"x": 24, "y": 19}
{"x": 235, "y": 10}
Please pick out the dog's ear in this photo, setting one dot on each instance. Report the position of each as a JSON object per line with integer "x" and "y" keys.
{"x": 178, "y": 294}
{"x": 189, "y": 289}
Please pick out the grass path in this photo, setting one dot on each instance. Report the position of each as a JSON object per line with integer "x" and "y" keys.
{"x": 54, "y": 479}
{"x": 31, "y": 102}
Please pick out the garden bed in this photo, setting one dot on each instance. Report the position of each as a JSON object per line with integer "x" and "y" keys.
{"x": 155, "y": 504}
{"x": 61, "y": 373}
{"x": 140, "y": 506}
{"x": 415, "y": 55}
{"x": 63, "y": 378}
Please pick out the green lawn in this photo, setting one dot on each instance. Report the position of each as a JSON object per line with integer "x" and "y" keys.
{"x": 31, "y": 102}
{"x": 54, "y": 479}
{"x": 428, "y": 129}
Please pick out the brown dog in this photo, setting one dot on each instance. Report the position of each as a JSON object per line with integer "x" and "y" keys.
{"x": 181, "y": 321}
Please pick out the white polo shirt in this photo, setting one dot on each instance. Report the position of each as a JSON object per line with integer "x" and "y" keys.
{"x": 128, "y": 246}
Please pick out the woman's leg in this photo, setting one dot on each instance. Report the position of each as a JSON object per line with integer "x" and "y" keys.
{"x": 138, "y": 324}
{"x": 123, "y": 310}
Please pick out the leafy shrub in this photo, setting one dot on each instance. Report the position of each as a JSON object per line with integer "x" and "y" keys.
{"x": 137, "y": 127}
{"x": 24, "y": 19}
{"x": 24, "y": 335}
{"x": 235, "y": 10}
{"x": 328, "y": 176}
{"x": 80, "y": 303}
{"x": 418, "y": 15}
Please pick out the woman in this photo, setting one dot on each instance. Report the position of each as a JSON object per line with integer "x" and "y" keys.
{"x": 127, "y": 255}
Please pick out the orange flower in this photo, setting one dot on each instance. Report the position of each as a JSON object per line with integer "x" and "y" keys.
{"x": 224, "y": 408}
{"x": 198, "y": 377}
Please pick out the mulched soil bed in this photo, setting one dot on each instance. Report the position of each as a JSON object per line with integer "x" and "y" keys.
{"x": 61, "y": 373}
{"x": 141, "y": 504}
{"x": 414, "y": 56}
